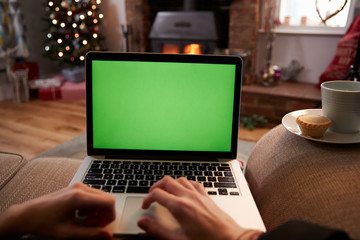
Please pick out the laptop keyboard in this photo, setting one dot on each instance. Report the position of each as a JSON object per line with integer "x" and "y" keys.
{"x": 138, "y": 176}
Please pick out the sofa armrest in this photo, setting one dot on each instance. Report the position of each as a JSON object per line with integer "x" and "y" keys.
{"x": 294, "y": 178}
{"x": 38, "y": 177}
{"x": 10, "y": 164}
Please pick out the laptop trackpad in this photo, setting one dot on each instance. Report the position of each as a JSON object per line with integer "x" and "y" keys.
{"x": 133, "y": 212}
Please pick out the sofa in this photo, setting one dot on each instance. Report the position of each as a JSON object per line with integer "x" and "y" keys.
{"x": 294, "y": 178}
{"x": 289, "y": 177}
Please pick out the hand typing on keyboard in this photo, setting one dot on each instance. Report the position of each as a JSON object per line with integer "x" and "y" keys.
{"x": 197, "y": 214}
{"x": 75, "y": 212}
{"x": 138, "y": 176}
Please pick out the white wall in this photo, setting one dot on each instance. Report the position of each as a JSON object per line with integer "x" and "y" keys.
{"x": 314, "y": 52}
{"x": 114, "y": 19}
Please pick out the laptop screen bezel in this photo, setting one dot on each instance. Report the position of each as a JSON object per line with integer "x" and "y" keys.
{"x": 162, "y": 154}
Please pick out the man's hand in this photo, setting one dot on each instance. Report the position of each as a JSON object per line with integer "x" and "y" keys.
{"x": 77, "y": 211}
{"x": 198, "y": 216}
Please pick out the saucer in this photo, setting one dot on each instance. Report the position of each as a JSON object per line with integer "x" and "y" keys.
{"x": 289, "y": 122}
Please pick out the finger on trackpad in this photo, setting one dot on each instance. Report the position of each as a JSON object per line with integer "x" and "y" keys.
{"x": 133, "y": 212}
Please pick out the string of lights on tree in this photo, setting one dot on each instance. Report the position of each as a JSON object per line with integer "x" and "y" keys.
{"x": 73, "y": 30}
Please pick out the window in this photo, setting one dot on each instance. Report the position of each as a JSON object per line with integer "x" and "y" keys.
{"x": 315, "y": 16}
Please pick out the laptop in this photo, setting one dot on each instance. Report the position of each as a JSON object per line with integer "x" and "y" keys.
{"x": 150, "y": 115}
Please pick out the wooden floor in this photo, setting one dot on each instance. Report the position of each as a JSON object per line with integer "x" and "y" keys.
{"x": 37, "y": 126}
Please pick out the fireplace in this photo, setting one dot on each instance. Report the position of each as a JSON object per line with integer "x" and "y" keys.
{"x": 188, "y": 31}
{"x": 236, "y": 26}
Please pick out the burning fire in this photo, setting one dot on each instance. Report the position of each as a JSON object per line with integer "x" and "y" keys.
{"x": 192, "y": 49}
{"x": 188, "y": 49}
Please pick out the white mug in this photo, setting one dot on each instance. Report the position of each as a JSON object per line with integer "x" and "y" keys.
{"x": 341, "y": 103}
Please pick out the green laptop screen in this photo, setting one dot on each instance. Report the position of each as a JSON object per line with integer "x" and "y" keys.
{"x": 162, "y": 105}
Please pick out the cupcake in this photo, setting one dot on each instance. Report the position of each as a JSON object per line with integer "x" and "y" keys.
{"x": 313, "y": 125}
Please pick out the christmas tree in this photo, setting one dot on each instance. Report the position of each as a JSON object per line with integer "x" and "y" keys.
{"x": 73, "y": 30}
